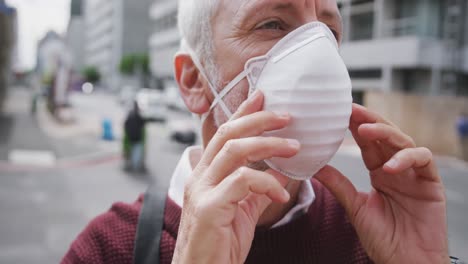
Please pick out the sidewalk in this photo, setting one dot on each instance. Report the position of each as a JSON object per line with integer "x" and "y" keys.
{"x": 21, "y": 138}
{"x": 47, "y": 206}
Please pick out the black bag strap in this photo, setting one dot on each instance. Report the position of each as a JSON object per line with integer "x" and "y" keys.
{"x": 150, "y": 226}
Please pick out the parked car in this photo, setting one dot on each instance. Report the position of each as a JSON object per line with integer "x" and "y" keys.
{"x": 152, "y": 104}
{"x": 183, "y": 131}
{"x": 173, "y": 99}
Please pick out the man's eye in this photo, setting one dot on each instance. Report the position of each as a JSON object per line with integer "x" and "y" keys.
{"x": 271, "y": 25}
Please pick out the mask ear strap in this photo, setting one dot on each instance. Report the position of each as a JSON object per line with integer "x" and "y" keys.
{"x": 217, "y": 99}
{"x": 228, "y": 88}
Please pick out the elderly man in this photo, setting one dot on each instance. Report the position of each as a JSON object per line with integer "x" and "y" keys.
{"x": 226, "y": 206}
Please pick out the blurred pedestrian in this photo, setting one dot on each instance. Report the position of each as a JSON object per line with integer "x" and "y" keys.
{"x": 134, "y": 140}
{"x": 35, "y": 93}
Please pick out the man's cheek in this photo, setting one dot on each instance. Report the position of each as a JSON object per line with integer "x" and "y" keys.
{"x": 219, "y": 116}
{"x": 238, "y": 95}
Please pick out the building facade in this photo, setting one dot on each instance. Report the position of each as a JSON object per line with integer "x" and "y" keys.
{"x": 50, "y": 50}
{"x": 114, "y": 29}
{"x": 75, "y": 35}
{"x": 8, "y": 47}
{"x": 164, "y": 41}
{"x": 413, "y": 46}
{"x": 53, "y": 66}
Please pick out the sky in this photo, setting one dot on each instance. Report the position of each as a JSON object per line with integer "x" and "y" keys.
{"x": 35, "y": 18}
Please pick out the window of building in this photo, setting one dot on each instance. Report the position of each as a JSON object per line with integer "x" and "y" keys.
{"x": 415, "y": 81}
{"x": 358, "y": 97}
{"x": 362, "y": 20}
{"x": 366, "y": 74}
{"x": 453, "y": 21}
{"x": 417, "y": 17}
{"x": 166, "y": 22}
{"x": 462, "y": 88}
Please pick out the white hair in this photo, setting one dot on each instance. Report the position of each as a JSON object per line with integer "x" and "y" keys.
{"x": 194, "y": 20}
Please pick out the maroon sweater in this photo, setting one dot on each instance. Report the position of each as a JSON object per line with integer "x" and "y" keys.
{"x": 323, "y": 235}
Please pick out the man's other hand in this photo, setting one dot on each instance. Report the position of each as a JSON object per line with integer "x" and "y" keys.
{"x": 403, "y": 218}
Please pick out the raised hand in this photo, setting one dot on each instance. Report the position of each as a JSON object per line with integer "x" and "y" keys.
{"x": 223, "y": 198}
{"x": 403, "y": 219}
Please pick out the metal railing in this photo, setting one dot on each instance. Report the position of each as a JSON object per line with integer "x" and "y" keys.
{"x": 401, "y": 27}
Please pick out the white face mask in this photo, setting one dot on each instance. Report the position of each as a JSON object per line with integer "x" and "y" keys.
{"x": 303, "y": 75}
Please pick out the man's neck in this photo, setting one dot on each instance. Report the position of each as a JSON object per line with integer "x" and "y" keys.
{"x": 275, "y": 211}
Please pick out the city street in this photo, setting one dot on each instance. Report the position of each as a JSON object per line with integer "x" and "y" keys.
{"x": 55, "y": 177}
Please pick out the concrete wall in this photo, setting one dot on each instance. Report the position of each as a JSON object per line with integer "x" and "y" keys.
{"x": 430, "y": 120}
{"x": 165, "y": 40}
{"x": 163, "y": 46}
{"x": 75, "y": 39}
{"x": 401, "y": 52}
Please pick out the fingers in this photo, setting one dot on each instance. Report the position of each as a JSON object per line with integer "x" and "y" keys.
{"x": 256, "y": 204}
{"x": 244, "y": 181}
{"x": 341, "y": 187}
{"x": 377, "y": 137}
{"x": 419, "y": 159}
{"x": 246, "y": 126}
{"x": 253, "y": 104}
{"x": 240, "y": 152}
{"x": 389, "y": 134}
{"x": 362, "y": 115}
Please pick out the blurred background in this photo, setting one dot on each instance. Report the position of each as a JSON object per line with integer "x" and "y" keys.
{"x": 70, "y": 71}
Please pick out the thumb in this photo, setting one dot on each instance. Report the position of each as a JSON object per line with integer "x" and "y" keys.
{"x": 341, "y": 187}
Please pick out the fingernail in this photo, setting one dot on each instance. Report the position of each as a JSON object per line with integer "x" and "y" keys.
{"x": 393, "y": 164}
{"x": 286, "y": 195}
{"x": 294, "y": 143}
{"x": 282, "y": 115}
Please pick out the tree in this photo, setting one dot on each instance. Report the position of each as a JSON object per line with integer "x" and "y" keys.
{"x": 127, "y": 65}
{"x": 131, "y": 63}
{"x": 136, "y": 65}
{"x": 91, "y": 74}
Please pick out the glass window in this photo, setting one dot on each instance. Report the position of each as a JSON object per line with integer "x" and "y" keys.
{"x": 362, "y": 26}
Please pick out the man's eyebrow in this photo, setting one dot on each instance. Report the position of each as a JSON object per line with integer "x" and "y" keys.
{"x": 276, "y": 4}
{"x": 255, "y": 7}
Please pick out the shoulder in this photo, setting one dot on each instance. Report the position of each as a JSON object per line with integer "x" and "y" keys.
{"x": 109, "y": 238}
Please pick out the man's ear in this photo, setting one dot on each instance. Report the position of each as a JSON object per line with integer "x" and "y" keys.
{"x": 190, "y": 84}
